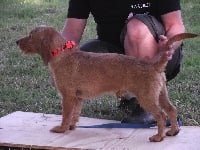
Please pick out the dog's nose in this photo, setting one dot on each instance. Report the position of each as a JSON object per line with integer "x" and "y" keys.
{"x": 17, "y": 42}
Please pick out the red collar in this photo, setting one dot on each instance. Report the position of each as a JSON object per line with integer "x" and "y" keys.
{"x": 67, "y": 46}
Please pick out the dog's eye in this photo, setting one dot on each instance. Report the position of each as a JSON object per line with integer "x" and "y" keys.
{"x": 30, "y": 35}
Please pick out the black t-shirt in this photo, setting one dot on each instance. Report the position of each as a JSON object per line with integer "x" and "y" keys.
{"x": 110, "y": 15}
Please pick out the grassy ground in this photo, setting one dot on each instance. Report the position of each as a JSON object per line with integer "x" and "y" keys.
{"x": 24, "y": 81}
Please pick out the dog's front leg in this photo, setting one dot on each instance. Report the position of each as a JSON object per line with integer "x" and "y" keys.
{"x": 52, "y": 80}
{"x": 67, "y": 112}
{"x": 76, "y": 113}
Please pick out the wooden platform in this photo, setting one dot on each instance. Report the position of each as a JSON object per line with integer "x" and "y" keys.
{"x": 31, "y": 130}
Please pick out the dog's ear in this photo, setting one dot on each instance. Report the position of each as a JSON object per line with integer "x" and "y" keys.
{"x": 47, "y": 44}
{"x": 51, "y": 40}
{"x": 45, "y": 51}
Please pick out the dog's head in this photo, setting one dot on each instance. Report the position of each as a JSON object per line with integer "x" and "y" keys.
{"x": 41, "y": 40}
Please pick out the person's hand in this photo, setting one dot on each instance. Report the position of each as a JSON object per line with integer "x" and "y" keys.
{"x": 130, "y": 15}
{"x": 168, "y": 50}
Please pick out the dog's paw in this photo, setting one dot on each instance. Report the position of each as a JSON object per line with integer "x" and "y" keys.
{"x": 172, "y": 132}
{"x": 156, "y": 138}
{"x": 72, "y": 127}
{"x": 58, "y": 129}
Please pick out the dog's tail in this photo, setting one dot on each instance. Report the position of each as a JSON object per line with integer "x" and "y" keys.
{"x": 162, "y": 62}
{"x": 180, "y": 36}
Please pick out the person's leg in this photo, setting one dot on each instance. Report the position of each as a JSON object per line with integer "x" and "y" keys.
{"x": 138, "y": 114}
{"x": 140, "y": 37}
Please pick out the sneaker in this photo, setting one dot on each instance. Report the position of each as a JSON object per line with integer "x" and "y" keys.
{"x": 135, "y": 113}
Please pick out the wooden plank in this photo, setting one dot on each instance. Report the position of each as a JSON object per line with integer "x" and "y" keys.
{"x": 26, "y": 129}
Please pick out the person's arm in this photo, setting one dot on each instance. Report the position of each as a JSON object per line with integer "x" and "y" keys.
{"x": 73, "y": 29}
{"x": 173, "y": 25}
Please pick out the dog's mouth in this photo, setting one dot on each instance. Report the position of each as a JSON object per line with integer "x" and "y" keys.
{"x": 24, "y": 50}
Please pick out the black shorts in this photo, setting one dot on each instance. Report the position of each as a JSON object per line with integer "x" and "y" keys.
{"x": 155, "y": 27}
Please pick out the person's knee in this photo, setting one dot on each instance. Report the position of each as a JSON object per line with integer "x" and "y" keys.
{"x": 137, "y": 30}
{"x": 139, "y": 41}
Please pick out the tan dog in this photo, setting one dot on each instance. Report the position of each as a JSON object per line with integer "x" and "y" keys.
{"x": 82, "y": 75}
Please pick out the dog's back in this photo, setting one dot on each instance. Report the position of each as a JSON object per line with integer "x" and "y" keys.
{"x": 92, "y": 73}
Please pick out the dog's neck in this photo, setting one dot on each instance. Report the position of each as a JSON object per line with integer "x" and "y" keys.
{"x": 66, "y": 47}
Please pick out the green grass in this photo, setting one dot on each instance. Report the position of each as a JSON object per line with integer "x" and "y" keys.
{"x": 25, "y": 83}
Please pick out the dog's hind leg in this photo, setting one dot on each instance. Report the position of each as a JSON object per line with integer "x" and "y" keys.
{"x": 160, "y": 117}
{"x": 150, "y": 104}
{"x": 76, "y": 113}
{"x": 170, "y": 110}
{"x": 68, "y": 103}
